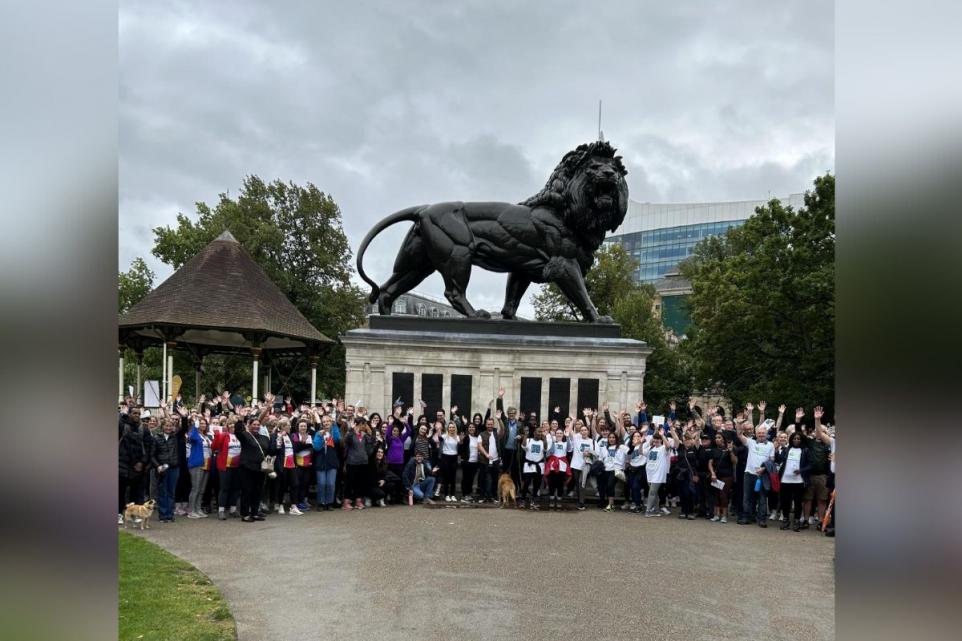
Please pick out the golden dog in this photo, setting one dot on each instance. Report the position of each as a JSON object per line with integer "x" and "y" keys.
{"x": 143, "y": 512}
{"x": 506, "y": 490}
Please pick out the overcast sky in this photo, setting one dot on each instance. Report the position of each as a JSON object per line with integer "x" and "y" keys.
{"x": 385, "y": 105}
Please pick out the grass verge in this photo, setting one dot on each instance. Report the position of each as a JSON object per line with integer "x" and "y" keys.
{"x": 163, "y": 598}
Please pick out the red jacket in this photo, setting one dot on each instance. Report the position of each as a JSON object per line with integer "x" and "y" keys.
{"x": 219, "y": 446}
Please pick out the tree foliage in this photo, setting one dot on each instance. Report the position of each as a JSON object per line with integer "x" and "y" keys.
{"x": 134, "y": 284}
{"x": 763, "y": 304}
{"x": 614, "y": 292}
{"x": 295, "y": 234}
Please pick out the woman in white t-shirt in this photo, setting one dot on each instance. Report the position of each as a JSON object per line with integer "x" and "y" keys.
{"x": 613, "y": 455}
{"x": 469, "y": 462}
{"x": 582, "y": 455}
{"x": 449, "y": 443}
{"x": 557, "y": 468}
{"x": 535, "y": 450}
{"x": 793, "y": 467}
{"x": 636, "y": 471}
{"x": 655, "y": 451}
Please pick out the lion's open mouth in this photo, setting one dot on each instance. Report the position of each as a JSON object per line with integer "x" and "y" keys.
{"x": 606, "y": 194}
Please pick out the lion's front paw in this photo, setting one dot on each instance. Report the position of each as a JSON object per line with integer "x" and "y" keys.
{"x": 607, "y": 320}
{"x": 480, "y": 313}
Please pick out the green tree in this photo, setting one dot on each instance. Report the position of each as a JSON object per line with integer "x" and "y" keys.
{"x": 763, "y": 304}
{"x": 614, "y": 292}
{"x": 295, "y": 234}
{"x": 133, "y": 284}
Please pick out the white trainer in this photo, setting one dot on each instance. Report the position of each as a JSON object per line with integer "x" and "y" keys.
{"x": 120, "y": 519}
{"x": 280, "y": 509}
{"x": 665, "y": 510}
{"x": 295, "y": 511}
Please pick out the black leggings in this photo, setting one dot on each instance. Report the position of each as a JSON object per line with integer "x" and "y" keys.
{"x": 791, "y": 493}
{"x": 556, "y": 484}
{"x": 534, "y": 480}
{"x": 251, "y": 483}
{"x": 449, "y": 471}
{"x": 468, "y": 470}
{"x": 286, "y": 482}
{"x": 229, "y": 487}
{"x": 136, "y": 485}
{"x": 356, "y": 482}
{"x": 304, "y": 477}
{"x": 604, "y": 479}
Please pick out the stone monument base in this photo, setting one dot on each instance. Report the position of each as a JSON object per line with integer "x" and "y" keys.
{"x": 463, "y": 362}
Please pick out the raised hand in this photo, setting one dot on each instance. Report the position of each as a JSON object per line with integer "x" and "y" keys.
{"x": 454, "y": 410}
{"x": 604, "y": 408}
{"x": 500, "y": 392}
{"x": 673, "y": 406}
{"x": 799, "y": 414}
{"x": 819, "y": 413}
{"x": 761, "y": 406}
{"x": 691, "y": 404}
{"x": 638, "y": 406}
{"x": 749, "y": 407}
{"x": 557, "y": 409}
{"x": 497, "y": 413}
{"x": 782, "y": 408}
{"x": 644, "y": 406}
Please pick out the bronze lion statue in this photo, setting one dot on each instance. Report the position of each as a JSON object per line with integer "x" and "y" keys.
{"x": 549, "y": 238}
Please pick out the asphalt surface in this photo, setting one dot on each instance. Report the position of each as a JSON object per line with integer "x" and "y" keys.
{"x": 422, "y": 573}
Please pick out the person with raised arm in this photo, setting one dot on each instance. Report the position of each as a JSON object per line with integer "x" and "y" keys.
{"x": 819, "y": 445}
{"x": 760, "y": 450}
{"x": 254, "y": 447}
{"x": 655, "y": 450}
{"x": 582, "y": 456}
{"x": 793, "y": 467}
{"x": 450, "y": 441}
{"x": 513, "y": 428}
{"x": 721, "y": 466}
{"x": 490, "y": 446}
{"x": 534, "y": 449}
{"x": 470, "y": 457}
{"x": 557, "y": 469}
{"x": 327, "y": 438}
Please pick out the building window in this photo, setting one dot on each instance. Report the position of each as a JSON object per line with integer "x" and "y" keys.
{"x": 422, "y": 310}
{"x": 434, "y": 312}
{"x": 400, "y": 306}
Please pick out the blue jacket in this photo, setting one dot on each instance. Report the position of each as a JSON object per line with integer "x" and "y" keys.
{"x": 195, "y": 458}
{"x": 326, "y": 458}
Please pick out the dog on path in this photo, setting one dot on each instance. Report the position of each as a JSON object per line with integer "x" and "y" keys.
{"x": 506, "y": 490}
{"x": 142, "y": 512}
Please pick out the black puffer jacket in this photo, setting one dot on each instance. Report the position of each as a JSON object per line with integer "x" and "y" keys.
{"x": 134, "y": 448}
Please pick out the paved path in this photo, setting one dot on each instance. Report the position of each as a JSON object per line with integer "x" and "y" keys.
{"x": 429, "y": 574}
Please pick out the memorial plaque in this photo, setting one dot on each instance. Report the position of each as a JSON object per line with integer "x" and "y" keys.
{"x": 531, "y": 395}
{"x": 431, "y": 394}
{"x": 587, "y": 394}
{"x": 402, "y": 386}
{"x": 559, "y": 395}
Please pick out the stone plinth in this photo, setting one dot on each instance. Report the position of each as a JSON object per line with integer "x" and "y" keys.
{"x": 540, "y": 365}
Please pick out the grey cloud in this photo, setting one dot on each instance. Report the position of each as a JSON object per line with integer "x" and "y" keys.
{"x": 386, "y": 105}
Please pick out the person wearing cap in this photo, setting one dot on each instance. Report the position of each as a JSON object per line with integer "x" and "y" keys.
{"x": 358, "y": 447}
{"x": 418, "y": 479}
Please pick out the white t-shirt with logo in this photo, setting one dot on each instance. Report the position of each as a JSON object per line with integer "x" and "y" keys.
{"x": 657, "y": 464}
{"x": 578, "y": 449}
{"x": 758, "y": 453}
{"x": 636, "y": 456}
{"x": 535, "y": 451}
{"x": 793, "y": 463}
{"x": 613, "y": 457}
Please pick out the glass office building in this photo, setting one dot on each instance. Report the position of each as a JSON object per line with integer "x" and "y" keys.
{"x": 660, "y": 236}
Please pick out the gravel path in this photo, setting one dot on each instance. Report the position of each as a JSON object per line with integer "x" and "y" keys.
{"x": 466, "y": 573}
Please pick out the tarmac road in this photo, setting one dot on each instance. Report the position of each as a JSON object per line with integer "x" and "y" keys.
{"x": 401, "y": 573}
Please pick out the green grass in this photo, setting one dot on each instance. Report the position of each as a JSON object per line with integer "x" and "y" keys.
{"x": 163, "y": 598}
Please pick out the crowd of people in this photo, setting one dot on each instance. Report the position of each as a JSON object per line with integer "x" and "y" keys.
{"x": 224, "y": 457}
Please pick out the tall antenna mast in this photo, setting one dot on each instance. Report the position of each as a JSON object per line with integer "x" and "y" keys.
{"x": 601, "y": 135}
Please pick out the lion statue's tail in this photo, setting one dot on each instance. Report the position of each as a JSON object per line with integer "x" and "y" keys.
{"x": 411, "y": 214}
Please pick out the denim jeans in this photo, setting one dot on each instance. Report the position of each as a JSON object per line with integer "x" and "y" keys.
{"x": 488, "y": 481}
{"x": 634, "y": 483}
{"x": 166, "y": 486}
{"x": 754, "y": 501}
{"x": 423, "y": 489}
{"x": 325, "y": 486}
